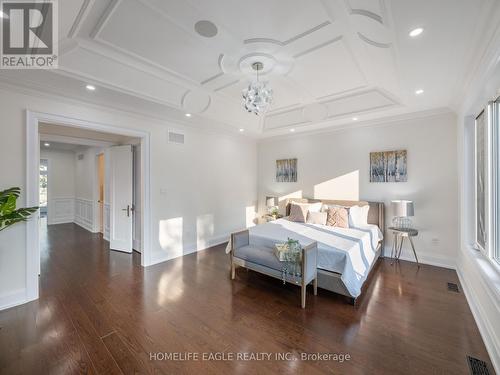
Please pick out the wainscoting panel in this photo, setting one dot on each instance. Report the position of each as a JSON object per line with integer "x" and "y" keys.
{"x": 106, "y": 221}
{"x": 84, "y": 213}
{"x": 61, "y": 210}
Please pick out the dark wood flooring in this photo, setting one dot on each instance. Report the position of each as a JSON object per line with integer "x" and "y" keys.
{"x": 100, "y": 312}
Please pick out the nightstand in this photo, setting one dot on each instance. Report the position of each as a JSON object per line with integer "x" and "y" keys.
{"x": 399, "y": 235}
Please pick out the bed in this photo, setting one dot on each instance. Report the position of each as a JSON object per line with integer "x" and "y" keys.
{"x": 346, "y": 256}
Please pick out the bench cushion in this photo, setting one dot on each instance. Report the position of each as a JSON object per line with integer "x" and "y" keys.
{"x": 260, "y": 255}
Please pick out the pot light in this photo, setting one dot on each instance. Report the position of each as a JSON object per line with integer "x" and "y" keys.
{"x": 46, "y": 144}
{"x": 242, "y": 130}
{"x": 416, "y": 32}
{"x": 90, "y": 87}
{"x": 354, "y": 119}
{"x": 419, "y": 92}
{"x": 292, "y": 130}
{"x": 188, "y": 115}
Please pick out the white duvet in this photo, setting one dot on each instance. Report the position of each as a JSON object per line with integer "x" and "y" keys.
{"x": 348, "y": 251}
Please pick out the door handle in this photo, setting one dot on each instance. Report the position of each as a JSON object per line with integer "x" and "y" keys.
{"x": 127, "y": 209}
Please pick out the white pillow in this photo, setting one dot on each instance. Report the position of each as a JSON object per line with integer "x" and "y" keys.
{"x": 358, "y": 216}
{"x": 317, "y": 218}
{"x": 315, "y": 207}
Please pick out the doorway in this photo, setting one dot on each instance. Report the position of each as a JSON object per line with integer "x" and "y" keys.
{"x": 43, "y": 187}
{"x": 34, "y": 119}
{"x": 100, "y": 188}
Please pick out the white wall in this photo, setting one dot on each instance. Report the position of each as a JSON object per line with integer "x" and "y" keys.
{"x": 335, "y": 165}
{"x": 85, "y": 173}
{"x": 200, "y": 191}
{"x": 61, "y": 185}
{"x": 61, "y": 173}
{"x": 479, "y": 275}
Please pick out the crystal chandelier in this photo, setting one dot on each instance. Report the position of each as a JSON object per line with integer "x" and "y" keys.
{"x": 257, "y": 97}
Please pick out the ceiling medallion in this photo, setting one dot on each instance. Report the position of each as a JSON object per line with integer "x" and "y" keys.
{"x": 257, "y": 97}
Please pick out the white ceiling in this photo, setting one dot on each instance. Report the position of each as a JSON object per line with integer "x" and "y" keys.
{"x": 326, "y": 60}
{"x": 59, "y": 146}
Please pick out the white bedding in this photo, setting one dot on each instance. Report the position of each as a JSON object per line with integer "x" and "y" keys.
{"x": 348, "y": 251}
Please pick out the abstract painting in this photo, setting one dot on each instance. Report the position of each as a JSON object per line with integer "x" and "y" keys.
{"x": 388, "y": 166}
{"x": 286, "y": 170}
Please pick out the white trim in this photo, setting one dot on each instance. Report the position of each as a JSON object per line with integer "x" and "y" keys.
{"x": 18, "y": 297}
{"x": 32, "y": 170}
{"x": 75, "y": 140}
{"x": 485, "y": 328}
{"x": 52, "y": 215}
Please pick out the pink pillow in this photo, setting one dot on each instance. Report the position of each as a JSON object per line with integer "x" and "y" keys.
{"x": 337, "y": 217}
{"x": 298, "y": 212}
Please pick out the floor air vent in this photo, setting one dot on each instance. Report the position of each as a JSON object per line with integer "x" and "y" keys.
{"x": 477, "y": 367}
{"x": 452, "y": 287}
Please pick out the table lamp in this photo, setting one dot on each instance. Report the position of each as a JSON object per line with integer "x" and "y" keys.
{"x": 402, "y": 210}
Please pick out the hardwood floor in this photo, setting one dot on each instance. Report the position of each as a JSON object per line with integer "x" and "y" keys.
{"x": 100, "y": 312}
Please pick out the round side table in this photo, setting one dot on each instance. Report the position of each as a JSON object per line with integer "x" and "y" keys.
{"x": 399, "y": 235}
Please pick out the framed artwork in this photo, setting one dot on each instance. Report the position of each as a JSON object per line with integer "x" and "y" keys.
{"x": 388, "y": 166}
{"x": 286, "y": 170}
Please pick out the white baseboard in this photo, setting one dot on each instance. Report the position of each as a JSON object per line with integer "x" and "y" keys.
{"x": 15, "y": 298}
{"x": 483, "y": 323}
{"x": 425, "y": 259}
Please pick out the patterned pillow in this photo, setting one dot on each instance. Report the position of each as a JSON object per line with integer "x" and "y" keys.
{"x": 298, "y": 212}
{"x": 337, "y": 217}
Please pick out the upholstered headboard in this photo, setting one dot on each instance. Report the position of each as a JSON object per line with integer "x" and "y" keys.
{"x": 376, "y": 214}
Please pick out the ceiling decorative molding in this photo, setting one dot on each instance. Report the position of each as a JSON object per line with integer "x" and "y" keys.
{"x": 372, "y": 42}
{"x": 327, "y": 55}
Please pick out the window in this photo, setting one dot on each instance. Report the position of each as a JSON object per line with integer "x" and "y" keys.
{"x": 480, "y": 180}
{"x": 487, "y": 180}
{"x": 44, "y": 166}
{"x": 495, "y": 216}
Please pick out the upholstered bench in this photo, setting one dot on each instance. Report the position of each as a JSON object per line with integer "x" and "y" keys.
{"x": 261, "y": 258}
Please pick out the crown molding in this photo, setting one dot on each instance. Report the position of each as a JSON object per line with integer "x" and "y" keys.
{"x": 41, "y": 93}
{"x": 347, "y": 126}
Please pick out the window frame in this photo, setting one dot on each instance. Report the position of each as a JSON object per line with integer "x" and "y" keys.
{"x": 477, "y": 244}
{"x": 494, "y": 144}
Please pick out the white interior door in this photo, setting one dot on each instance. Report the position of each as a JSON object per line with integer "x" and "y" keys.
{"x": 120, "y": 236}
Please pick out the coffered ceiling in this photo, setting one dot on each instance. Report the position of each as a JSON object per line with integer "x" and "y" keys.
{"x": 329, "y": 62}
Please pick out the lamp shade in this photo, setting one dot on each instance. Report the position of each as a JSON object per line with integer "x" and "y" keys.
{"x": 271, "y": 201}
{"x": 402, "y": 208}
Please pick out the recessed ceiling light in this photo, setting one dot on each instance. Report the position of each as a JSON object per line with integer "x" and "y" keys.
{"x": 354, "y": 119}
{"x": 46, "y": 144}
{"x": 205, "y": 28}
{"x": 90, "y": 87}
{"x": 292, "y": 130}
{"x": 419, "y": 92}
{"x": 242, "y": 130}
{"x": 416, "y": 32}
{"x": 188, "y": 115}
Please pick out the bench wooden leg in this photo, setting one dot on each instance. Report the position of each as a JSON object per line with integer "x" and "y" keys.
{"x": 233, "y": 268}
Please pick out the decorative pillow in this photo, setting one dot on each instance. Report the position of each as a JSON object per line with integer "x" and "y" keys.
{"x": 315, "y": 207}
{"x": 298, "y": 212}
{"x": 317, "y": 218}
{"x": 337, "y": 217}
{"x": 358, "y": 216}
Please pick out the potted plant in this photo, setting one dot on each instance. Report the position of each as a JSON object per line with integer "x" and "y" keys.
{"x": 9, "y": 215}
